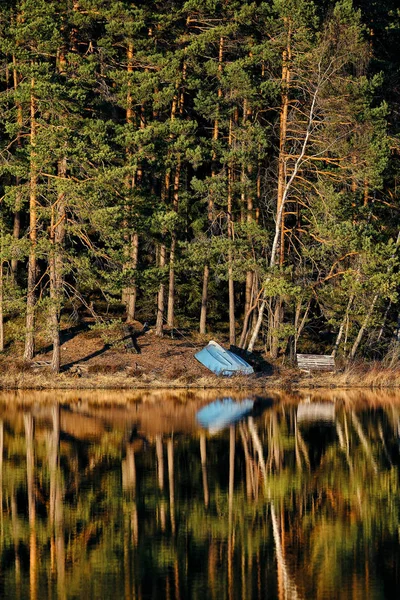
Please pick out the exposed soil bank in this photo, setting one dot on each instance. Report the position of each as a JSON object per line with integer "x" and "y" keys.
{"x": 93, "y": 360}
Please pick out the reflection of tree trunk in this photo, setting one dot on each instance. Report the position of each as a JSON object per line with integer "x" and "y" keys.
{"x": 160, "y": 461}
{"x": 203, "y": 457}
{"x": 250, "y": 488}
{"x": 303, "y": 447}
{"x": 127, "y": 560}
{"x": 176, "y": 578}
{"x": 129, "y": 486}
{"x": 257, "y": 446}
{"x": 58, "y": 507}
{"x": 212, "y": 567}
{"x": 15, "y": 535}
{"x": 1, "y": 478}
{"x": 364, "y": 442}
{"x": 344, "y": 446}
{"x": 30, "y": 471}
{"x": 170, "y": 454}
{"x": 288, "y": 587}
{"x": 230, "y": 508}
{"x": 129, "y": 471}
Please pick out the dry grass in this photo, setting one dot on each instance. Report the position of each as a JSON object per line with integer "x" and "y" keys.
{"x": 358, "y": 375}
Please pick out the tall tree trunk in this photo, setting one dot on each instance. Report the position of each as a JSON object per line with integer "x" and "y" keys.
{"x": 363, "y": 327}
{"x": 287, "y": 187}
{"x": 18, "y": 197}
{"x": 342, "y": 326}
{"x": 206, "y": 272}
{"x": 231, "y": 285}
{"x": 57, "y": 235}
{"x": 1, "y": 297}
{"x": 30, "y": 301}
{"x": 161, "y": 295}
{"x": 204, "y": 298}
{"x": 175, "y": 206}
{"x": 171, "y": 288}
{"x": 130, "y": 293}
{"x": 370, "y": 310}
{"x": 285, "y": 82}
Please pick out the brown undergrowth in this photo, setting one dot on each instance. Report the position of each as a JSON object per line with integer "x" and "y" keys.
{"x": 89, "y": 361}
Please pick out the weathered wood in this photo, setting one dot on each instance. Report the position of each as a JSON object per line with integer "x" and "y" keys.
{"x": 315, "y": 362}
{"x": 40, "y": 363}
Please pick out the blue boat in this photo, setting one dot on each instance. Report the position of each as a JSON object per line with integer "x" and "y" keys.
{"x": 222, "y": 413}
{"x": 223, "y": 362}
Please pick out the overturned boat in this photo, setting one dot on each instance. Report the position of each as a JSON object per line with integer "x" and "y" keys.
{"x": 223, "y": 362}
{"x": 223, "y": 413}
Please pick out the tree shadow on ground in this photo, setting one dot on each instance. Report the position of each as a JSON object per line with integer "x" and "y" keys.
{"x": 86, "y": 358}
{"x": 67, "y": 335}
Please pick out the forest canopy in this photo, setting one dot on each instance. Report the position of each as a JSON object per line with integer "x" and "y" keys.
{"x": 218, "y": 165}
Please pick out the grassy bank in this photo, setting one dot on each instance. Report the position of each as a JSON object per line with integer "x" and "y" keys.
{"x": 372, "y": 376}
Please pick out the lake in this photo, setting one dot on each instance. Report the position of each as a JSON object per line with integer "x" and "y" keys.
{"x": 124, "y": 495}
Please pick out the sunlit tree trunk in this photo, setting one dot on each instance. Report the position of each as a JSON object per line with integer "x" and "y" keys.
{"x": 171, "y": 287}
{"x": 57, "y": 235}
{"x": 18, "y": 197}
{"x": 1, "y": 295}
{"x": 231, "y": 285}
{"x": 161, "y": 294}
{"x": 206, "y": 273}
{"x": 30, "y": 301}
{"x": 130, "y": 293}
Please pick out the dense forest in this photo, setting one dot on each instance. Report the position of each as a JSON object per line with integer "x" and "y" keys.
{"x": 225, "y": 165}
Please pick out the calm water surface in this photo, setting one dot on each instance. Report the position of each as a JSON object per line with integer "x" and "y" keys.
{"x": 121, "y": 495}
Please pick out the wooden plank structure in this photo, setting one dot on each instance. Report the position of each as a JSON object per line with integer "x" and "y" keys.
{"x": 316, "y": 362}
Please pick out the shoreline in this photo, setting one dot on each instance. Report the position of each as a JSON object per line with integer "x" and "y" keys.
{"x": 290, "y": 381}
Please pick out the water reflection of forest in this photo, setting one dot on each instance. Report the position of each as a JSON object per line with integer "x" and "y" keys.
{"x": 124, "y": 496}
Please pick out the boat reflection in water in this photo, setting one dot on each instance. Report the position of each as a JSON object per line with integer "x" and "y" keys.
{"x": 293, "y": 498}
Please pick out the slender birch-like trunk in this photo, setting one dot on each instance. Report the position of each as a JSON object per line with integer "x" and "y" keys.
{"x": 285, "y": 82}
{"x": 288, "y": 185}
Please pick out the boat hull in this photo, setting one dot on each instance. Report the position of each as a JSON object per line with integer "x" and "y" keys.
{"x": 223, "y": 362}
